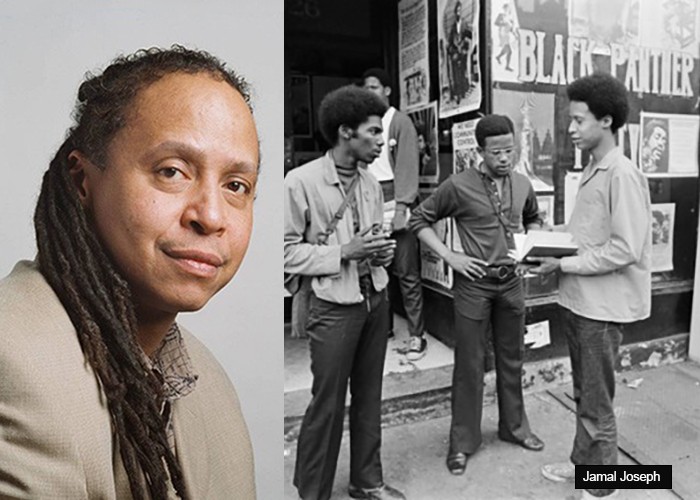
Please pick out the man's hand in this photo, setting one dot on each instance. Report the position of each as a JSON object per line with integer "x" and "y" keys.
{"x": 382, "y": 259}
{"x": 471, "y": 267}
{"x": 547, "y": 265}
{"x": 365, "y": 245}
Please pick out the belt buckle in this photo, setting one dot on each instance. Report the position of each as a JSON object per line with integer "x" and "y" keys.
{"x": 502, "y": 272}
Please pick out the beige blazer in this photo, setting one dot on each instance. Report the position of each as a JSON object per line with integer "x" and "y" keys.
{"x": 55, "y": 432}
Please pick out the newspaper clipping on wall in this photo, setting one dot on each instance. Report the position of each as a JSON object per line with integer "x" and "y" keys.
{"x": 414, "y": 78}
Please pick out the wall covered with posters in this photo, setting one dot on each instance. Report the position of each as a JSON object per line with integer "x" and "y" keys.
{"x": 516, "y": 57}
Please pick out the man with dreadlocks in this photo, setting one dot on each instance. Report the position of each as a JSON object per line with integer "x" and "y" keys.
{"x": 144, "y": 212}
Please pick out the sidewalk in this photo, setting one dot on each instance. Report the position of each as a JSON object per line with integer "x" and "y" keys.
{"x": 658, "y": 418}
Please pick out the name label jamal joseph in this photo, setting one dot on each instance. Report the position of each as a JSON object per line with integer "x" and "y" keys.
{"x": 648, "y": 477}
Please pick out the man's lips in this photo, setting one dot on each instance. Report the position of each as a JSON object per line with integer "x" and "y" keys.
{"x": 197, "y": 256}
{"x": 196, "y": 261}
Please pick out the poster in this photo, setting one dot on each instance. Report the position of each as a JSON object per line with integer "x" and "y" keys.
{"x": 662, "y": 221}
{"x": 504, "y": 41}
{"x": 545, "y": 204}
{"x": 464, "y": 146}
{"x": 458, "y": 56}
{"x": 533, "y": 117}
{"x": 414, "y": 78}
{"x": 651, "y": 46}
{"x": 668, "y": 144}
{"x": 425, "y": 121}
{"x": 605, "y": 22}
{"x": 671, "y": 25}
{"x": 433, "y": 268}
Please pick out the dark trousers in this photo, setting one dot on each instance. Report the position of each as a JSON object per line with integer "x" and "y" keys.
{"x": 346, "y": 342}
{"x": 476, "y": 305}
{"x": 593, "y": 348}
{"x": 406, "y": 267}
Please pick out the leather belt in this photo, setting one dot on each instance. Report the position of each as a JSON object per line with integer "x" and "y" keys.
{"x": 500, "y": 272}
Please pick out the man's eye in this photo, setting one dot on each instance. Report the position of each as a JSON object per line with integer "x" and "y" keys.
{"x": 238, "y": 187}
{"x": 169, "y": 172}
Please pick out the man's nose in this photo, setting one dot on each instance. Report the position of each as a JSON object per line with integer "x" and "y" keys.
{"x": 205, "y": 209}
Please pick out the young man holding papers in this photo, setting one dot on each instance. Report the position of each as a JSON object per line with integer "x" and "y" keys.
{"x": 608, "y": 282}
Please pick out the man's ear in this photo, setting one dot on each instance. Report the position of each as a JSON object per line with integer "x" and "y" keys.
{"x": 345, "y": 132}
{"x": 606, "y": 121}
{"x": 387, "y": 91}
{"x": 80, "y": 172}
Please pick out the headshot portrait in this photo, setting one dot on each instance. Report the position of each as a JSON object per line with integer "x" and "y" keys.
{"x": 654, "y": 155}
{"x": 137, "y": 360}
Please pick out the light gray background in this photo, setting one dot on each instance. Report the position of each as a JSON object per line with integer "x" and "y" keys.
{"x": 45, "y": 49}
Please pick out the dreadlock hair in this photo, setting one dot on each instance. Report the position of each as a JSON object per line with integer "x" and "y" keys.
{"x": 94, "y": 294}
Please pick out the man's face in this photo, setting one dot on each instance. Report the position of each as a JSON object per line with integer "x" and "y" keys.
{"x": 366, "y": 141}
{"x": 173, "y": 207}
{"x": 373, "y": 84}
{"x": 585, "y": 129}
{"x": 657, "y": 143}
{"x": 498, "y": 153}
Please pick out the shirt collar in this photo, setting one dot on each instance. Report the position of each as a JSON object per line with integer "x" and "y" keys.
{"x": 173, "y": 365}
{"x": 330, "y": 174}
{"x": 480, "y": 170}
{"x": 606, "y": 161}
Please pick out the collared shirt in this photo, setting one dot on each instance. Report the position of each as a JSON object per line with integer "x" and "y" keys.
{"x": 312, "y": 196}
{"x": 173, "y": 367}
{"x": 485, "y": 220}
{"x": 610, "y": 277}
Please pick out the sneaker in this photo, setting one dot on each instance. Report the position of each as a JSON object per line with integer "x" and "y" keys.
{"x": 562, "y": 472}
{"x": 417, "y": 347}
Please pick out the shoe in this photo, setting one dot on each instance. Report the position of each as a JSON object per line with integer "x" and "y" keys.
{"x": 562, "y": 472}
{"x": 384, "y": 492}
{"x": 457, "y": 463}
{"x": 417, "y": 347}
{"x": 532, "y": 443}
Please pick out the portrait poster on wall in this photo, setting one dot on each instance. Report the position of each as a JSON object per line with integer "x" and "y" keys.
{"x": 533, "y": 118}
{"x": 668, "y": 144}
{"x": 662, "y": 221}
{"x": 425, "y": 121}
{"x": 414, "y": 78}
{"x": 458, "y": 56}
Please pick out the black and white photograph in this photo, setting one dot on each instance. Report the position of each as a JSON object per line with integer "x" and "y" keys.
{"x": 428, "y": 354}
